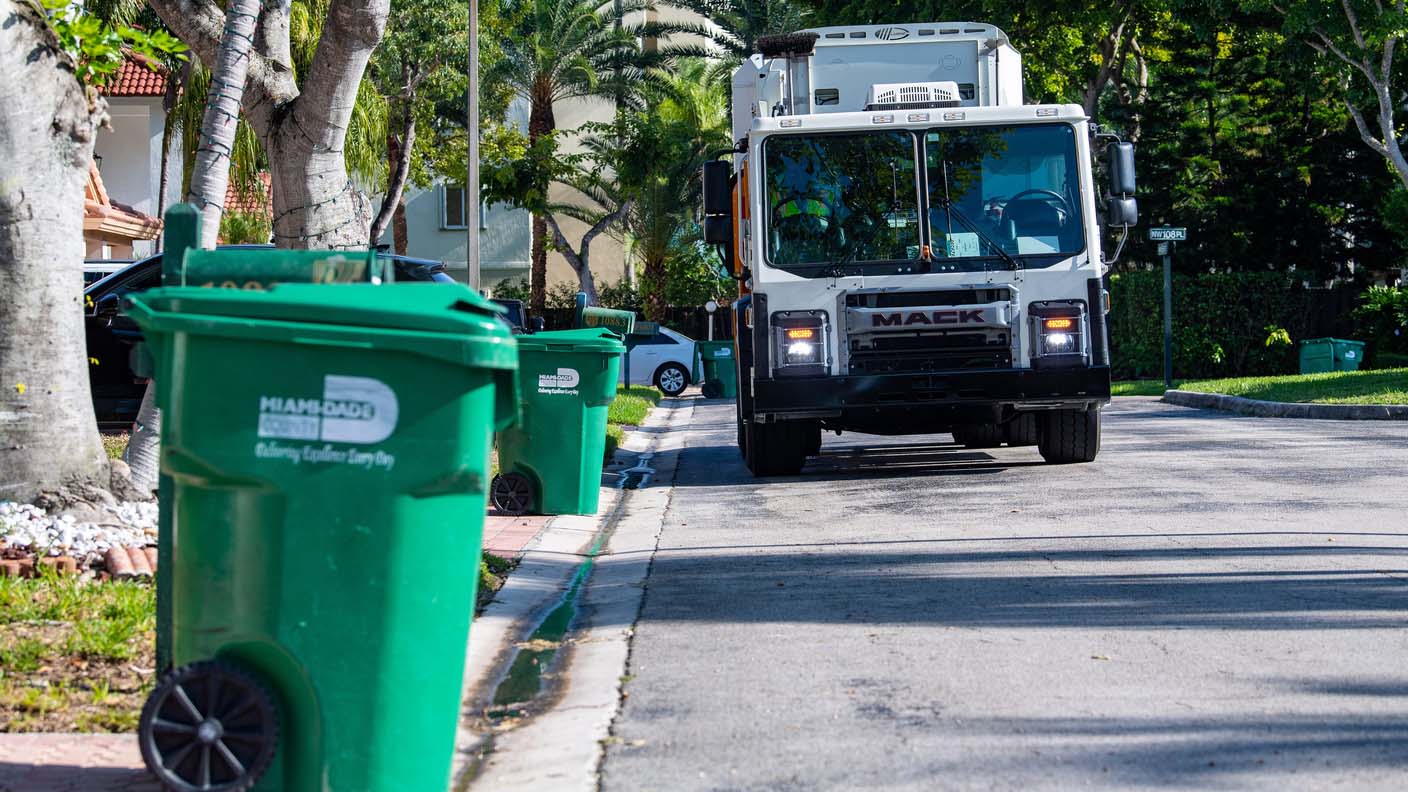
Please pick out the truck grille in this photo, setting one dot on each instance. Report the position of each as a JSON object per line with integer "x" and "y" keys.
{"x": 925, "y": 349}
{"x": 930, "y": 352}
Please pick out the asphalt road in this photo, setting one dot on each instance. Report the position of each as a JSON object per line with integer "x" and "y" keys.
{"x": 1216, "y": 602}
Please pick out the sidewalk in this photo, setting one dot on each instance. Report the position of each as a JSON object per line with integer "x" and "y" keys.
{"x": 112, "y": 762}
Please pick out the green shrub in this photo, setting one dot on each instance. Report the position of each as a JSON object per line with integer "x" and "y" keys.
{"x": 1383, "y": 323}
{"x": 1224, "y": 323}
{"x": 245, "y": 228}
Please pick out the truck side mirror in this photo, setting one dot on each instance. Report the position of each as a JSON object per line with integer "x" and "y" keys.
{"x": 718, "y": 202}
{"x": 1121, "y": 168}
{"x": 1123, "y": 211}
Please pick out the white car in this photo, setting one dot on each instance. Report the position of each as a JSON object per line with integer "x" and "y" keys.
{"x": 665, "y": 360}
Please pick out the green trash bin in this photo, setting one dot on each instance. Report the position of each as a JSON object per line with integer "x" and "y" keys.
{"x": 1319, "y": 355}
{"x": 328, "y": 447}
{"x": 550, "y": 461}
{"x": 720, "y": 371}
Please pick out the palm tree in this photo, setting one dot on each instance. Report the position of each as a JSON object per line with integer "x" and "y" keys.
{"x": 660, "y": 159}
{"x": 572, "y": 49}
{"x": 737, "y": 25}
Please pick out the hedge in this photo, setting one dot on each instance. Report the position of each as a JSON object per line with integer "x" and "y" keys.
{"x": 1224, "y": 323}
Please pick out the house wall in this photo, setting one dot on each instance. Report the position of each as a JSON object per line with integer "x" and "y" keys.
{"x": 131, "y": 158}
{"x": 503, "y": 238}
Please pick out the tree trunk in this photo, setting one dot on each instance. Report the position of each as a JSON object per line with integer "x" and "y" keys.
{"x": 303, "y": 130}
{"x": 143, "y": 451}
{"x": 540, "y": 122}
{"x": 653, "y": 284}
{"x": 398, "y": 153}
{"x": 538, "y": 273}
{"x": 400, "y": 235}
{"x": 48, "y": 434}
{"x": 174, "y": 86}
{"x": 211, "y": 177}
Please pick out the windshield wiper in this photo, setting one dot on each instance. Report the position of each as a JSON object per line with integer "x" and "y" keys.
{"x": 966, "y": 222}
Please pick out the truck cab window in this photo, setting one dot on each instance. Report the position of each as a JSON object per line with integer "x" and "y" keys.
{"x": 1011, "y": 187}
{"x": 841, "y": 198}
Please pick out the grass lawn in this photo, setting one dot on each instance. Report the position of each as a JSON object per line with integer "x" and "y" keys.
{"x": 74, "y": 655}
{"x": 632, "y": 404}
{"x": 1380, "y": 386}
{"x": 629, "y": 409}
{"x": 1137, "y": 388}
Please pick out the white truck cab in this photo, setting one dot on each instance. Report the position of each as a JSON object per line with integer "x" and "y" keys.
{"x": 919, "y": 251}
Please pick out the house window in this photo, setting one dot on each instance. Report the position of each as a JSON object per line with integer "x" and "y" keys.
{"x": 452, "y": 208}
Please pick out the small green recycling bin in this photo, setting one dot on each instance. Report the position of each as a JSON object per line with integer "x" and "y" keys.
{"x": 328, "y": 448}
{"x": 550, "y": 461}
{"x": 720, "y": 371}
{"x": 1330, "y": 354}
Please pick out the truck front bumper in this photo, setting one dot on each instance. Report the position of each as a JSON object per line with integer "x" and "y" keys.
{"x": 1002, "y": 390}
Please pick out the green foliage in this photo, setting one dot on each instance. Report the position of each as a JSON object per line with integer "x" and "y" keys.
{"x": 1277, "y": 336}
{"x": 620, "y": 295}
{"x": 632, "y": 404}
{"x": 1220, "y": 323}
{"x": 97, "y": 46}
{"x": 244, "y": 228}
{"x": 1383, "y": 322}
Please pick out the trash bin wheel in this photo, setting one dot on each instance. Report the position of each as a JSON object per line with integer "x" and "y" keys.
{"x": 511, "y": 493}
{"x": 712, "y": 389}
{"x": 208, "y": 726}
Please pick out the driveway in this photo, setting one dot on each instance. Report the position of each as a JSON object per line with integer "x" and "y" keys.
{"x": 1218, "y": 601}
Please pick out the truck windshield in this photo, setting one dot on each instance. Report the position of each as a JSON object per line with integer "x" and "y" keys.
{"x": 841, "y": 198}
{"x": 1013, "y": 188}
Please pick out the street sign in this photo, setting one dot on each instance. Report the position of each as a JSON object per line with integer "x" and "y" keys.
{"x": 1168, "y": 234}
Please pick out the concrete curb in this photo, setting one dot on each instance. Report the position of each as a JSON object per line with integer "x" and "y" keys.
{"x": 561, "y": 748}
{"x": 534, "y": 587}
{"x": 1270, "y": 409}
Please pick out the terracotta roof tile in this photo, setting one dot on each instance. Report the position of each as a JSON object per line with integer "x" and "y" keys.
{"x": 258, "y": 203}
{"x": 136, "y": 78}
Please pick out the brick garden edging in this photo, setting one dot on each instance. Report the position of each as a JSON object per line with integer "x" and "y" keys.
{"x": 1270, "y": 409}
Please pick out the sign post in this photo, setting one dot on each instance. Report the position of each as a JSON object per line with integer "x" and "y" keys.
{"x": 1167, "y": 237}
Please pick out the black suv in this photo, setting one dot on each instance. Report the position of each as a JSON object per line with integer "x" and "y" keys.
{"x": 117, "y": 392}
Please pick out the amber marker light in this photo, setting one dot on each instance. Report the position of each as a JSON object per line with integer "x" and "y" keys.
{"x": 1060, "y": 323}
{"x": 801, "y": 334}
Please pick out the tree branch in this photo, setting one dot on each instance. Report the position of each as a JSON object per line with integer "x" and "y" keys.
{"x": 352, "y": 30}
{"x": 199, "y": 24}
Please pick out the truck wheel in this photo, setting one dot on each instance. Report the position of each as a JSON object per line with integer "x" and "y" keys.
{"x": 742, "y": 437}
{"x": 979, "y": 435}
{"x": 776, "y": 449}
{"x": 1022, "y": 430}
{"x": 814, "y": 440}
{"x": 1069, "y": 436}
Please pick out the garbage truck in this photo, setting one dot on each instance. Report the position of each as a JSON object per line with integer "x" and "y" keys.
{"x": 918, "y": 250}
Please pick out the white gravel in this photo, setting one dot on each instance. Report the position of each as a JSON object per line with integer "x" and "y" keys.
{"x": 28, "y": 527}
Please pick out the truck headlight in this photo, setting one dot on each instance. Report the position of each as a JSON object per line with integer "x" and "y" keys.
{"x": 800, "y": 342}
{"x": 1058, "y": 332}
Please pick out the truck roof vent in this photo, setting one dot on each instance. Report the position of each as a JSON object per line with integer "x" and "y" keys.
{"x": 912, "y": 96}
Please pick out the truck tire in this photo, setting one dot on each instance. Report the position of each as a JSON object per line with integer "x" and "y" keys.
{"x": 979, "y": 435}
{"x": 742, "y": 437}
{"x": 1068, "y": 436}
{"x": 1022, "y": 430}
{"x": 814, "y": 440}
{"x": 775, "y": 449}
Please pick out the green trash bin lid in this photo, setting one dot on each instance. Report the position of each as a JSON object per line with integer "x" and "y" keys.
{"x": 444, "y": 320}
{"x": 589, "y": 339}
